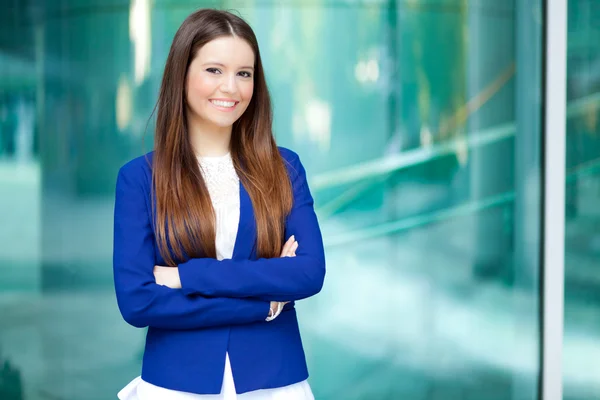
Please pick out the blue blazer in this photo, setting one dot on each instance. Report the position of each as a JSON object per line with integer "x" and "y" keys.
{"x": 222, "y": 305}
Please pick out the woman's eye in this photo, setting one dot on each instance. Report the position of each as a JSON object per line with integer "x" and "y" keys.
{"x": 213, "y": 70}
{"x": 245, "y": 74}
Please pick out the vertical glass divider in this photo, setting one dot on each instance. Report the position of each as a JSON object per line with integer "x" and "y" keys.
{"x": 554, "y": 198}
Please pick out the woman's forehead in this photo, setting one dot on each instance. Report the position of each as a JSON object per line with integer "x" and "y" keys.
{"x": 230, "y": 51}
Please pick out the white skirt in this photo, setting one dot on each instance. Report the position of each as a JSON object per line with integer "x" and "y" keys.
{"x": 139, "y": 389}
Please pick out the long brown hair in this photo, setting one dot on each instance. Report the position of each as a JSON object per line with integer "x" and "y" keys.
{"x": 185, "y": 219}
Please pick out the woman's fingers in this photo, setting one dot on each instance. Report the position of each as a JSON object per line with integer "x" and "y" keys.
{"x": 286, "y": 246}
{"x": 290, "y": 247}
{"x": 293, "y": 249}
{"x": 285, "y": 252}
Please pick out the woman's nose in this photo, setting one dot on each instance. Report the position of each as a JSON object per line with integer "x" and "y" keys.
{"x": 229, "y": 84}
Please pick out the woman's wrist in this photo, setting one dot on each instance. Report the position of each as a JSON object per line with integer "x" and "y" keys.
{"x": 167, "y": 276}
{"x": 274, "y": 310}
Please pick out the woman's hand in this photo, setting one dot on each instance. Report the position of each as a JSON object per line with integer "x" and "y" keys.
{"x": 289, "y": 250}
{"x": 167, "y": 276}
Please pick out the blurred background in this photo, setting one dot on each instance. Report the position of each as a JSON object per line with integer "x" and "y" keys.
{"x": 420, "y": 125}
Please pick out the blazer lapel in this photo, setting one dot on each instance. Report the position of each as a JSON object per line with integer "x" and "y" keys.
{"x": 246, "y": 234}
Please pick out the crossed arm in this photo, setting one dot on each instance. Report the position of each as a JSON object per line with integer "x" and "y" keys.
{"x": 282, "y": 279}
{"x": 169, "y": 276}
{"x": 212, "y": 292}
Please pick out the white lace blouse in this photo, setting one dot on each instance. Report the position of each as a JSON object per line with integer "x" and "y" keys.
{"x": 224, "y": 186}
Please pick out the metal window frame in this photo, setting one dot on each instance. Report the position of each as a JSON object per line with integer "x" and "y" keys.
{"x": 553, "y": 223}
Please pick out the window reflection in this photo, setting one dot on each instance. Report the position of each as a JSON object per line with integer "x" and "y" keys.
{"x": 419, "y": 124}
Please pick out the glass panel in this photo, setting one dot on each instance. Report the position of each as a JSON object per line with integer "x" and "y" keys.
{"x": 419, "y": 125}
{"x": 582, "y": 238}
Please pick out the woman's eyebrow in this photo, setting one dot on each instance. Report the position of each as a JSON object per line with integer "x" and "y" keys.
{"x": 222, "y": 65}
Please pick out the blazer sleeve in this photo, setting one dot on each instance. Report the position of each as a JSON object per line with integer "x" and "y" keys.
{"x": 280, "y": 279}
{"x": 141, "y": 300}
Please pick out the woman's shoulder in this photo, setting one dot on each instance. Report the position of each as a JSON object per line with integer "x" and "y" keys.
{"x": 291, "y": 160}
{"x": 137, "y": 171}
{"x": 295, "y": 169}
{"x": 138, "y": 165}
{"x": 288, "y": 155}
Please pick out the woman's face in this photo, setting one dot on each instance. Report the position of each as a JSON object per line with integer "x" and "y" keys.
{"x": 220, "y": 82}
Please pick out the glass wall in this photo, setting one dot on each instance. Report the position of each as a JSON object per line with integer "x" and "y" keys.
{"x": 582, "y": 236}
{"x": 419, "y": 125}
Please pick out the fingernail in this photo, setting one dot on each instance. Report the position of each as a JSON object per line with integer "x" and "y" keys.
{"x": 293, "y": 237}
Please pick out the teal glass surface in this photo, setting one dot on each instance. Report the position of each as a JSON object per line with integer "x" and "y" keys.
{"x": 419, "y": 125}
{"x": 581, "y": 349}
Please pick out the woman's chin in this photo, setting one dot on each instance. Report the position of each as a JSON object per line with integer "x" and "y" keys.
{"x": 224, "y": 123}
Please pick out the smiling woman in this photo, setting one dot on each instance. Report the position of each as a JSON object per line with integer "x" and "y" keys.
{"x": 218, "y": 90}
{"x": 200, "y": 226}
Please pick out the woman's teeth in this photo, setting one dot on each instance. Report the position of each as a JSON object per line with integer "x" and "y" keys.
{"x": 221, "y": 103}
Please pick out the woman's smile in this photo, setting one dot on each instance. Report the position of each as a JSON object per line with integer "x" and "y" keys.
{"x": 224, "y": 104}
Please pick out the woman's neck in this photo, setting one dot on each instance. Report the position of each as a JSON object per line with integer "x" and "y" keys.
{"x": 209, "y": 141}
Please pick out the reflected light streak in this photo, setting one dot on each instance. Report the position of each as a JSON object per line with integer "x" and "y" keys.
{"x": 367, "y": 71}
{"x": 140, "y": 35}
{"x": 123, "y": 104}
{"x": 315, "y": 121}
{"x": 318, "y": 121}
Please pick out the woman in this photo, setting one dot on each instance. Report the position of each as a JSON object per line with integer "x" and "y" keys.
{"x": 200, "y": 226}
